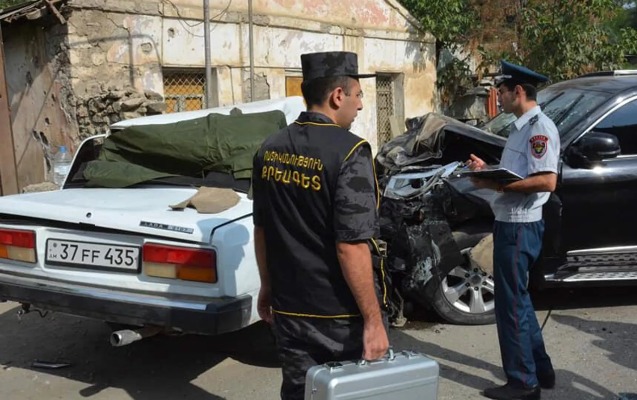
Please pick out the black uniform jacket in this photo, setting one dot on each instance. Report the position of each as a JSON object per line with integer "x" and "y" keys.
{"x": 313, "y": 185}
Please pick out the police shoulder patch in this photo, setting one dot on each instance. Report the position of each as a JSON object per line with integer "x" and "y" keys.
{"x": 539, "y": 144}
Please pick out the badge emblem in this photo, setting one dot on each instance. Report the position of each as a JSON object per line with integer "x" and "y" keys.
{"x": 539, "y": 144}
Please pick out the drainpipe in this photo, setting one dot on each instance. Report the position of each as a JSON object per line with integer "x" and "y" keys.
{"x": 251, "y": 46}
{"x": 206, "y": 29}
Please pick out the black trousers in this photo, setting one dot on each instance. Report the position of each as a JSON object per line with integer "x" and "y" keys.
{"x": 305, "y": 342}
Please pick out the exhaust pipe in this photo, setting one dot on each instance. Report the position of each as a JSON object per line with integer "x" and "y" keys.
{"x": 127, "y": 336}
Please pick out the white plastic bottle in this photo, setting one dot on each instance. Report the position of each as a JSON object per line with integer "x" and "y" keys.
{"x": 61, "y": 165}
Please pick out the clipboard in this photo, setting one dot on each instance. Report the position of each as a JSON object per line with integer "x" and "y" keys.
{"x": 496, "y": 174}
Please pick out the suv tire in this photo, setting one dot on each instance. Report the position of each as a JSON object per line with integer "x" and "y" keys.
{"x": 465, "y": 295}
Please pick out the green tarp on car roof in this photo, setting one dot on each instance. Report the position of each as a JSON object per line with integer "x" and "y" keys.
{"x": 219, "y": 143}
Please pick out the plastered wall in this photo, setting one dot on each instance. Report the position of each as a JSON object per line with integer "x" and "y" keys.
{"x": 124, "y": 44}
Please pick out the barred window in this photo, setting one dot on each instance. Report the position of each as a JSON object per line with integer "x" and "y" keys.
{"x": 389, "y": 106}
{"x": 384, "y": 107}
{"x": 184, "y": 90}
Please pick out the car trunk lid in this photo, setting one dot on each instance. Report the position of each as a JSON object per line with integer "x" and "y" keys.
{"x": 96, "y": 238}
{"x": 142, "y": 210}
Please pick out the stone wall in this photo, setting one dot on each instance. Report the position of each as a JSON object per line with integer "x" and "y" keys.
{"x": 95, "y": 114}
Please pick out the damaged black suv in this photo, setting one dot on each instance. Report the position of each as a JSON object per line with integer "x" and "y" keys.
{"x": 437, "y": 225}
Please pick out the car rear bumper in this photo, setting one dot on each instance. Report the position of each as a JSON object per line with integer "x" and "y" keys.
{"x": 188, "y": 314}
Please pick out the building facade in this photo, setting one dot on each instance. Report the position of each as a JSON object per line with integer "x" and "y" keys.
{"x": 72, "y": 71}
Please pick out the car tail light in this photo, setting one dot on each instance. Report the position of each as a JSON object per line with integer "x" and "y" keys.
{"x": 180, "y": 263}
{"x": 17, "y": 245}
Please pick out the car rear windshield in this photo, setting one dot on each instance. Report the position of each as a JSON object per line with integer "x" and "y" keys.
{"x": 565, "y": 107}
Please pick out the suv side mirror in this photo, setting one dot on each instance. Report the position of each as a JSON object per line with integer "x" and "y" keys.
{"x": 597, "y": 146}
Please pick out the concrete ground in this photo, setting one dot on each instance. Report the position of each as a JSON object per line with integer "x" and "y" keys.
{"x": 590, "y": 335}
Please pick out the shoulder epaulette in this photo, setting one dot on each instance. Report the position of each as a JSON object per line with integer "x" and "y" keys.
{"x": 533, "y": 120}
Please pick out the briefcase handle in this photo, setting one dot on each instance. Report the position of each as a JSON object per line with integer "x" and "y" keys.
{"x": 390, "y": 356}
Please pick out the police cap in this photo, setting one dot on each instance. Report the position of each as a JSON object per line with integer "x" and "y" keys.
{"x": 519, "y": 75}
{"x": 329, "y": 64}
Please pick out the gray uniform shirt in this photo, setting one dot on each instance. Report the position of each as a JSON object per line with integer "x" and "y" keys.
{"x": 533, "y": 146}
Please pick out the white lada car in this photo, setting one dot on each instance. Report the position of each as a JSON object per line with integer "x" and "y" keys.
{"x": 110, "y": 247}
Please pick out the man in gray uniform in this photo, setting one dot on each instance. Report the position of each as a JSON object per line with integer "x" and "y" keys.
{"x": 532, "y": 151}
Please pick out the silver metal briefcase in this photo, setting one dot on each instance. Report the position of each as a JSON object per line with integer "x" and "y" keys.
{"x": 405, "y": 375}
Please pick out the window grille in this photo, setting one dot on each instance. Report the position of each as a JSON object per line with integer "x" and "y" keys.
{"x": 384, "y": 107}
{"x": 184, "y": 90}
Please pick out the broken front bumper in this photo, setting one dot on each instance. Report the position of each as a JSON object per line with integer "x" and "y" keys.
{"x": 189, "y": 314}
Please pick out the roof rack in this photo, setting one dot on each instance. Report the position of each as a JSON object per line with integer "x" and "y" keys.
{"x": 619, "y": 72}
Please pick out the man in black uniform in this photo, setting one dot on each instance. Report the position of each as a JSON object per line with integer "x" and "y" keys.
{"x": 315, "y": 216}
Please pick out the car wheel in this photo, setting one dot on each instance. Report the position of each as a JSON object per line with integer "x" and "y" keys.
{"x": 466, "y": 294}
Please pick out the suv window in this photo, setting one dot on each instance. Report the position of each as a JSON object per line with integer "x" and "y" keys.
{"x": 564, "y": 106}
{"x": 623, "y": 124}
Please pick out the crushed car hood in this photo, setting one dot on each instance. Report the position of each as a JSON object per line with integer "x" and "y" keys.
{"x": 139, "y": 210}
{"x": 427, "y": 160}
{"x": 425, "y": 142}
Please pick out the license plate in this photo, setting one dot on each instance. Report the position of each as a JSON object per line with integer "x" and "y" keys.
{"x": 92, "y": 255}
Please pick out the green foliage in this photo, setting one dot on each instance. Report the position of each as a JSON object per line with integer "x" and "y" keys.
{"x": 452, "y": 22}
{"x": 9, "y": 3}
{"x": 565, "y": 38}
{"x": 453, "y": 80}
{"x": 560, "y": 38}
{"x": 631, "y": 16}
